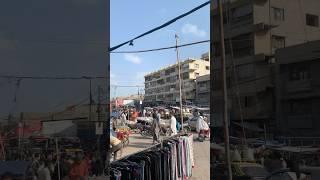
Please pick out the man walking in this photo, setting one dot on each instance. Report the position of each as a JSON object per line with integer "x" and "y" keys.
{"x": 156, "y": 126}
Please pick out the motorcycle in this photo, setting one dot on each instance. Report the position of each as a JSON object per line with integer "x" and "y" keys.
{"x": 145, "y": 130}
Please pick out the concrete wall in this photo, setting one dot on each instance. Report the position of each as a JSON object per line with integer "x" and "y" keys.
{"x": 293, "y": 122}
{"x": 293, "y": 28}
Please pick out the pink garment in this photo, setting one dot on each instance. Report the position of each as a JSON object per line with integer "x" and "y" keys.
{"x": 191, "y": 149}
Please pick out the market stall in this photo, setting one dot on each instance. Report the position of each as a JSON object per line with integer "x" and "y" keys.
{"x": 171, "y": 159}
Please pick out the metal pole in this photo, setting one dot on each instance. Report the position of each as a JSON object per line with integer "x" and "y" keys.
{"x": 179, "y": 75}
{"x": 224, "y": 92}
{"x": 19, "y": 143}
{"x": 99, "y": 119}
{"x": 265, "y": 133}
{"x": 58, "y": 160}
{"x": 90, "y": 105}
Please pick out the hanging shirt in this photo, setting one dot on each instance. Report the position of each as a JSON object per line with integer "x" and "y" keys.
{"x": 79, "y": 171}
{"x": 44, "y": 173}
{"x": 173, "y": 125}
{"x": 201, "y": 124}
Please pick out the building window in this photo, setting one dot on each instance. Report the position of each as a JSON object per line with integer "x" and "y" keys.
{"x": 196, "y": 66}
{"x": 248, "y": 101}
{"x": 185, "y": 76}
{"x": 245, "y": 71}
{"x": 300, "y": 107}
{"x": 299, "y": 73}
{"x": 207, "y": 67}
{"x": 241, "y": 12}
{"x": 278, "y": 41}
{"x": 312, "y": 20}
{"x": 278, "y": 14}
{"x": 196, "y": 74}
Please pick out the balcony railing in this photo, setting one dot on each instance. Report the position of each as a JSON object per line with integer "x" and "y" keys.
{"x": 203, "y": 89}
{"x": 298, "y": 86}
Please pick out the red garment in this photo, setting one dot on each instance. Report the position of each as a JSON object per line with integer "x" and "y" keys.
{"x": 134, "y": 116}
{"x": 88, "y": 162}
{"x": 79, "y": 170}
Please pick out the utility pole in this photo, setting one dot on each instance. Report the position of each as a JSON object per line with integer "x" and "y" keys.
{"x": 90, "y": 104}
{"x": 179, "y": 75}
{"x": 21, "y": 134}
{"x": 99, "y": 117}
{"x": 140, "y": 99}
{"x": 58, "y": 157}
{"x": 224, "y": 92}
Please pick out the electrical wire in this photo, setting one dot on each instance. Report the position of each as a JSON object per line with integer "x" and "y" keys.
{"x": 164, "y": 48}
{"x": 161, "y": 26}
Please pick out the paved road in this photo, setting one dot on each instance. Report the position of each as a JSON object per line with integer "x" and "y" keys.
{"x": 201, "y": 171}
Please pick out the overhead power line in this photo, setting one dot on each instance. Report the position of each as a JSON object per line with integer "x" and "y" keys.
{"x": 164, "y": 48}
{"x": 161, "y": 26}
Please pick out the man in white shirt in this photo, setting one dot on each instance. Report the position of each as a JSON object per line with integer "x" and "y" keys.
{"x": 173, "y": 125}
{"x": 123, "y": 119}
{"x": 144, "y": 113}
{"x": 44, "y": 172}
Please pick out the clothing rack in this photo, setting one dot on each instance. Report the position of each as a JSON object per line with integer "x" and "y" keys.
{"x": 151, "y": 147}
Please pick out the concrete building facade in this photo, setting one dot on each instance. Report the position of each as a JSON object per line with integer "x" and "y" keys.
{"x": 298, "y": 87}
{"x": 203, "y": 90}
{"x": 162, "y": 86}
{"x": 254, "y": 30}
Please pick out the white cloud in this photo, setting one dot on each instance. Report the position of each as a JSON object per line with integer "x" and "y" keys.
{"x": 133, "y": 58}
{"x": 112, "y": 75}
{"x": 193, "y": 29}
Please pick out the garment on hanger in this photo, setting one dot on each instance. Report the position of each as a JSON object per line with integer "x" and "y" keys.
{"x": 173, "y": 160}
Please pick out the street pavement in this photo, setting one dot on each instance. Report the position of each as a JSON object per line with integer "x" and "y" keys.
{"x": 201, "y": 171}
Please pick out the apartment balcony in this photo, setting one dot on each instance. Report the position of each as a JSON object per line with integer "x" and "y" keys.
{"x": 203, "y": 89}
{"x": 300, "y": 121}
{"x": 298, "y": 86}
{"x": 251, "y": 112}
{"x": 260, "y": 1}
{"x": 262, "y": 27}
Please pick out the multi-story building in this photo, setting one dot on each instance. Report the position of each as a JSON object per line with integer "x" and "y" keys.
{"x": 254, "y": 29}
{"x": 162, "y": 86}
{"x": 203, "y": 90}
{"x": 298, "y": 87}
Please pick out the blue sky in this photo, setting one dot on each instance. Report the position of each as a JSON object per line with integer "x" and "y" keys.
{"x": 131, "y": 18}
